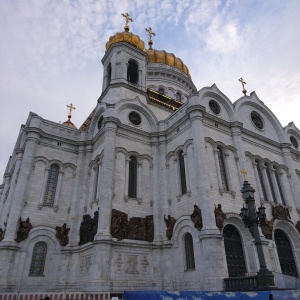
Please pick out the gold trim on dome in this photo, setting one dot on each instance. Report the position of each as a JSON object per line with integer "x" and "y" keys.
{"x": 161, "y": 56}
{"x": 127, "y": 37}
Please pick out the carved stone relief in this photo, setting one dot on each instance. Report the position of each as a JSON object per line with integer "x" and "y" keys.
{"x": 85, "y": 264}
{"x": 131, "y": 263}
{"x": 281, "y": 213}
{"x": 23, "y": 231}
{"x": 136, "y": 228}
{"x": 220, "y": 217}
{"x": 88, "y": 228}
{"x": 196, "y": 218}
{"x": 170, "y": 222}
{"x": 267, "y": 228}
{"x": 62, "y": 234}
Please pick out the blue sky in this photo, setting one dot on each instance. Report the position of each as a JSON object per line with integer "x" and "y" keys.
{"x": 51, "y": 52}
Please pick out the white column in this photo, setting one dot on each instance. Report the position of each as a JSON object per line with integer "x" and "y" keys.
{"x": 95, "y": 179}
{"x": 178, "y": 181}
{"x": 187, "y": 178}
{"x": 140, "y": 73}
{"x": 57, "y": 192}
{"x": 260, "y": 191}
{"x": 238, "y": 166}
{"x": 139, "y": 183}
{"x": 151, "y": 184}
{"x": 98, "y": 182}
{"x": 285, "y": 201}
{"x": 4, "y": 203}
{"x": 169, "y": 201}
{"x": 267, "y": 185}
{"x": 126, "y": 179}
{"x": 216, "y": 156}
{"x": 275, "y": 186}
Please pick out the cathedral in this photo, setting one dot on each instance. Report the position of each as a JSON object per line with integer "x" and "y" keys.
{"x": 146, "y": 194}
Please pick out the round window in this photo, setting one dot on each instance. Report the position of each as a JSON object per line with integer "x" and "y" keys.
{"x": 257, "y": 120}
{"x": 214, "y": 106}
{"x": 294, "y": 141}
{"x": 135, "y": 118}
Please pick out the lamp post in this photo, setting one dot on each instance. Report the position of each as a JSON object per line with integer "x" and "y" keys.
{"x": 253, "y": 218}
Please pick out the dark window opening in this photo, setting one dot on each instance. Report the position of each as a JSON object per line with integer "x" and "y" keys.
{"x": 285, "y": 254}
{"x": 189, "y": 252}
{"x": 51, "y": 186}
{"x": 108, "y": 73}
{"x": 234, "y": 252}
{"x": 161, "y": 90}
{"x": 100, "y": 122}
{"x": 182, "y": 173}
{"x": 132, "y": 72}
{"x": 38, "y": 259}
{"x": 132, "y": 183}
{"x": 178, "y": 97}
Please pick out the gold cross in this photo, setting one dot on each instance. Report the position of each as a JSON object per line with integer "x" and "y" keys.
{"x": 71, "y": 107}
{"x": 241, "y": 80}
{"x": 151, "y": 33}
{"x": 127, "y": 18}
{"x": 244, "y": 173}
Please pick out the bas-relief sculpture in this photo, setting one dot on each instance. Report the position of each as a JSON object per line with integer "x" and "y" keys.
{"x": 267, "y": 228}
{"x": 196, "y": 218}
{"x": 281, "y": 213}
{"x": 62, "y": 234}
{"x": 220, "y": 217}
{"x": 23, "y": 231}
{"x": 136, "y": 228}
{"x": 170, "y": 222}
{"x": 88, "y": 228}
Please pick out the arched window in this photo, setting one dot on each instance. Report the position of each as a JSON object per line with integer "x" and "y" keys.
{"x": 132, "y": 72}
{"x": 222, "y": 169}
{"x": 161, "y": 90}
{"x": 261, "y": 180}
{"x": 100, "y": 122}
{"x": 178, "y": 97}
{"x": 182, "y": 173}
{"x": 51, "y": 185}
{"x": 234, "y": 252}
{"x": 38, "y": 259}
{"x": 132, "y": 183}
{"x": 189, "y": 252}
{"x": 285, "y": 254}
{"x": 108, "y": 73}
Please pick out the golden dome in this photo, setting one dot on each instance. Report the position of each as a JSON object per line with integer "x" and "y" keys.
{"x": 68, "y": 123}
{"x": 127, "y": 37}
{"x": 161, "y": 56}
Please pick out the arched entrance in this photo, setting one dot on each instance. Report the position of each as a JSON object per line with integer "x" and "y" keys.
{"x": 234, "y": 252}
{"x": 285, "y": 254}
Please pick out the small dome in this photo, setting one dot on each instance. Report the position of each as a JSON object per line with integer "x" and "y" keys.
{"x": 161, "y": 56}
{"x": 68, "y": 123}
{"x": 127, "y": 37}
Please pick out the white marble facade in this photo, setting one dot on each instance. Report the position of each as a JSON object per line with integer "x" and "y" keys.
{"x": 93, "y": 175}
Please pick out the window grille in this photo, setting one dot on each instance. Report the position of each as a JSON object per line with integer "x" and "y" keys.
{"x": 51, "y": 186}
{"x": 189, "y": 252}
{"x": 38, "y": 259}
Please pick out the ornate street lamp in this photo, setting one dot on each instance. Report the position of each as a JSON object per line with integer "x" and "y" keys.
{"x": 253, "y": 218}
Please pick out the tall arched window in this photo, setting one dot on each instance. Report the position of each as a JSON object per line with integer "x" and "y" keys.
{"x": 38, "y": 259}
{"x": 189, "y": 252}
{"x": 178, "y": 97}
{"x": 261, "y": 180}
{"x": 285, "y": 254}
{"x": 161, "y": 90}
{"x": 51, "y": 185}
{"x": 234, "y": 252}
{"x": 132, "y": 183}
{"x": 182, "y": 173}
{"x": 222, "y": 169}
{"x": 108, "y": 73}
{"x": 132, "y": 72}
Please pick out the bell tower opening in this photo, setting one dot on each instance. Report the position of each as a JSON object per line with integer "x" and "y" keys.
{"x": 132, "y": 72}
